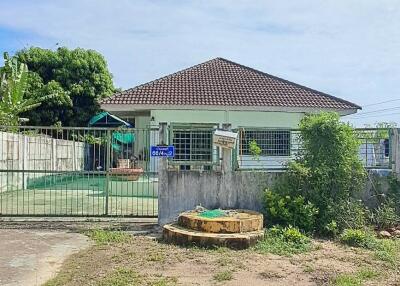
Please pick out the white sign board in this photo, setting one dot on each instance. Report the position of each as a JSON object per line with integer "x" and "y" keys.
{"x": 225, "y": 139}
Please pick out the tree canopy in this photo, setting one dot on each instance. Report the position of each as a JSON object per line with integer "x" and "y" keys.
{"x": 81, "y": 78}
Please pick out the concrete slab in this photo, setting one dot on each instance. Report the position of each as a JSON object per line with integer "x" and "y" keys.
{"x": 77, "y": 224}
{"x": 31, "y": 257}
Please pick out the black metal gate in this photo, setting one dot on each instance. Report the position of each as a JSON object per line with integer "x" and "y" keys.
{"x": 52, "y": 171}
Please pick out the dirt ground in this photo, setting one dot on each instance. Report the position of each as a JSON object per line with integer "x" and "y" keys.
{"x": 31, "y": 257}
{"x": 146, "y": 261}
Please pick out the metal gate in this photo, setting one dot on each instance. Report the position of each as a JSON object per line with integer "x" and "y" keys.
{"x": 57, "y": 171}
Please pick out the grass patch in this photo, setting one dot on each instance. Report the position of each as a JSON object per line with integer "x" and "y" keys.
{"x": 128, "y": 277}
{"x": 356, "y": 279}
{"x": 103, "y": 237}
{"x": 59, "y": 280}
{"x": 224, "y": 261}
{"x": 122, "y": 277}
{"x": 165, "y": 281}
{"x": 285, "y": 242}
{"x": 385, "y": 250}
{"x": 388, "y": 251}
{"x": 156, "y": 257}
{"x": 223, "y": 276}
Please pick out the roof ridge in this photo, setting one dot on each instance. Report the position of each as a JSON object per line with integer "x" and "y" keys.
{"x": 292, "y": 83}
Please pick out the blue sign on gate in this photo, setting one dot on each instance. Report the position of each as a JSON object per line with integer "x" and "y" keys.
{"x": 162, "y": 151}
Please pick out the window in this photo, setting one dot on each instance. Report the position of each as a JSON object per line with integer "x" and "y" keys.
{"x": 271, "y": 142}
{"x": 192, "y": 145}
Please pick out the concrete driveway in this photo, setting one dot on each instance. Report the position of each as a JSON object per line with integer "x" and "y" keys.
{"x": 31, "y": 257}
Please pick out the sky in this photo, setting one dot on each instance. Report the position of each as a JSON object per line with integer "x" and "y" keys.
{"x": 347, "y": 48}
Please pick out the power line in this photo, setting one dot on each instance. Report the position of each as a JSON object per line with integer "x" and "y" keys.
{"x": 381, "y": 102}
{"x": 369, "y": 116}
{"x": 378, "y": 110}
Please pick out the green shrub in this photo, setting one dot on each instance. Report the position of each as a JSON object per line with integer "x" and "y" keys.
{"x": 293, "y": 235}
{"x": 284, "y": 241}
{"x": 255, "y": 150}
{"x": 358, "y": 238}
{"x": 326, "y": 171}
{"x": 385, "y": 216}
{"x": 331, "y": 229}
{"x": 394, "y": 192}
{"x": 286, "y": 210}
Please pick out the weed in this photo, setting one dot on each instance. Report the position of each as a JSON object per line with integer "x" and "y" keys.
{"x": 222, "y": 249}
{"x": 358, "y": 238}
{"x": 156, "y": 256}
{"x": 121, "y": 277}
{"x": 224, "y": 261}
{"x": 286, "y": 242}
{"x": 385, "y": 250}
{"x": 165, "y": 281}
{"x": 223, "y": 276}
{"x": 308, "y": 268}
{"x": 270, "y": 275}
{"x": 356, "y": 279}
{"x": 385, "y": 216}
{"x": 102, "y": 237}
{"x": 388, "y": 251}
{"x": 128, "y": 277}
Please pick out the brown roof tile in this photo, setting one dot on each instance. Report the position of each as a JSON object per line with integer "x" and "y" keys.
{"x": 220, "y": 82}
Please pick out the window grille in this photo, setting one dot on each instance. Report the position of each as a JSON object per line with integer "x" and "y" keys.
{"x": 271, "y": 142}
{"x": 192, "y": 145}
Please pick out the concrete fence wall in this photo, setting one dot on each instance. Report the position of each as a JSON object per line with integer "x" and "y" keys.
{"x": 35, "y": 153}
{"x": 184, "y": 190}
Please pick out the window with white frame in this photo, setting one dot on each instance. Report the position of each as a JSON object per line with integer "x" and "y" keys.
{"x": 271, "y": 142}
{"x": 192, "y": 145}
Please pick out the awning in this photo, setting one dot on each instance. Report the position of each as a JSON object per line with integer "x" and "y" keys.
{"x": 119, "y": 139}
{"x": 105, "y": 119}
{"x": 124, "y": 138}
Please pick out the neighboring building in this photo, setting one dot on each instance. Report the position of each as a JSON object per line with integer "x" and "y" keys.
{"x": 220, "y": 91}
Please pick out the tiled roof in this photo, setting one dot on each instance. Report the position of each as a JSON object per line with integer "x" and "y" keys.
{"x": 220, "y": 82}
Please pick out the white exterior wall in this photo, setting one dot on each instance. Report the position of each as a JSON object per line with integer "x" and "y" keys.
{"x": 236, "y": 118}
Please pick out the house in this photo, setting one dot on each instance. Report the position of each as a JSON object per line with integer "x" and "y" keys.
{"x": 198, "y": 99}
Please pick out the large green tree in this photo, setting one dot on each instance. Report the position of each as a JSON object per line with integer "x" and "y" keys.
{"x": 81, "y": 76}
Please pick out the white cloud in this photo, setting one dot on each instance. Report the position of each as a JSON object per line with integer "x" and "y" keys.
{"x": 346, "y": 48}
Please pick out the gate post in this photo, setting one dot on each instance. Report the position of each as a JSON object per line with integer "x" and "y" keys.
{"x": 163, "y": 212}
{"x": 107, "y": 169}
{"x": 395, "y": 151}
